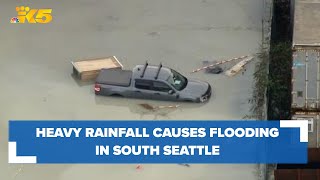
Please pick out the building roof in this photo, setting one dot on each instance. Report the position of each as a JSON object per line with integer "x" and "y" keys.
{"x": 306, "y": 29}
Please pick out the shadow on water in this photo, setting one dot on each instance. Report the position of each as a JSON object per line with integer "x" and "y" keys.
{"x": 134, "y": 105}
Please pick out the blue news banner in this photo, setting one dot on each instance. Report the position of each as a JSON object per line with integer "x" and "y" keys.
{"x": 117, "y": 142}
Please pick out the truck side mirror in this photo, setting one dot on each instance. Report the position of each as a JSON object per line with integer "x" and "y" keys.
{"x": 171, "y": 92}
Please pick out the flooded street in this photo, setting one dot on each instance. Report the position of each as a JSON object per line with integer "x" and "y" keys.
{"x": 36, "y": 81}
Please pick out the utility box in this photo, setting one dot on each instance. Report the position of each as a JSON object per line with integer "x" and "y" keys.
{"x": 306, "y": 79}
{"x": 306, "y": 55}
{"x": 89, "y": 69}
{"x": 305, "y": 94}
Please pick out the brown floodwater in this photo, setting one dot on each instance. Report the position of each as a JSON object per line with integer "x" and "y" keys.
{"x": 36, "y": 81}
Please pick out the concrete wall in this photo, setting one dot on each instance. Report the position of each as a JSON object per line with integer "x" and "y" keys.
{"x": 266, "y": 171}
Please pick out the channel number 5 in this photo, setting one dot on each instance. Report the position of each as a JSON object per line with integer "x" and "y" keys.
{"x": 42, "y": 16}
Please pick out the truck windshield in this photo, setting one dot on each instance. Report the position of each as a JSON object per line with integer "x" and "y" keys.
{"x": 177, "y": 80}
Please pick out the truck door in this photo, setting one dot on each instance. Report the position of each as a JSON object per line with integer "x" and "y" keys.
{"x": 161, "y": 91}
{"x": 142, "y": 89}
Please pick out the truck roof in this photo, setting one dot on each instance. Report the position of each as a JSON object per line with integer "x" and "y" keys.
{"x": 117, "y": 77}
{"x": 151, "y": 72}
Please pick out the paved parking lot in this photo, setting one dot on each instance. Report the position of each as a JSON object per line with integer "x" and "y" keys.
{"x": 36, "y": 82}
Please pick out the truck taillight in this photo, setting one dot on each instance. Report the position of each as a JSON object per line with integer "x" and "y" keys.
{"x": 97, "y": 87}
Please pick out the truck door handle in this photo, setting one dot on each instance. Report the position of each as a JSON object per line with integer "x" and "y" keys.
{"x": 137, "y": 91}
{"x": 157, "y": 93}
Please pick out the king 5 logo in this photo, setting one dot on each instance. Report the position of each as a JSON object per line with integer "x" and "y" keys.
{"x": 25, "y": 14}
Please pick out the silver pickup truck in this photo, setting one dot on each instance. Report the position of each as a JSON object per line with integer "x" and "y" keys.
{"x": 151, "y": 82}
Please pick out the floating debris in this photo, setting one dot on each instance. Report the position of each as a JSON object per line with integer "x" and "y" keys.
{"x": 19, "y": 171}
{"x": 153, "y": 108}
{"x": 218, "y": 63}
{"x": 138, "y": 167}
{"x": 214, "y": 69}
{"x": 186, "y": 165}
{"x": 238, "y": 67}
{"x": 154, "y": 34}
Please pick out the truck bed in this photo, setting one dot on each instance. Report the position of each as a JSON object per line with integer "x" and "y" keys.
{"x": 116, "y": 77}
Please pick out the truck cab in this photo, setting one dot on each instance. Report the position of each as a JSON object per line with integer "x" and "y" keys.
{"x": 152, "y": 82}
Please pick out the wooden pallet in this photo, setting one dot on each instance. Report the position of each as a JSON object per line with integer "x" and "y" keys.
{"x": 238, "y": 67}
{"x": 89, "y": 69}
